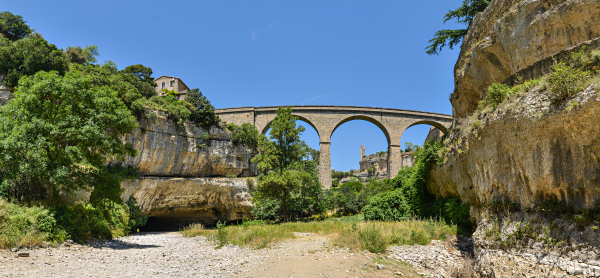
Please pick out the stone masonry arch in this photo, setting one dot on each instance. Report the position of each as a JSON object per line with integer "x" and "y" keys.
{"x": 364, "y": 118}
{"x": 326, "y": 119}
{"x": 268, "y": 125}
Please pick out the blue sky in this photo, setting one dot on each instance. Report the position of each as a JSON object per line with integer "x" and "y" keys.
{"x": 272, "y": 53}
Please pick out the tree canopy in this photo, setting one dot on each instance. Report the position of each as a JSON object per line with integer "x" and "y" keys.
{"x": 13, "y": 27}
{"x": 57, "y": 133}
{"x": 28, "y": 56}
{"x": 463, "y": 15}
{"x": 291, "y": 188}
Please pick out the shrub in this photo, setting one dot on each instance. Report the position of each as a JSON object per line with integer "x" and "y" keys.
{"x": 388, "y": 206}
{"x": 565, "y": 81}
{"x": 27, "y": 226}
{"x": 246, "y": 134}
{"x": 496, "y": 94}
{"x": 136, "y": 219}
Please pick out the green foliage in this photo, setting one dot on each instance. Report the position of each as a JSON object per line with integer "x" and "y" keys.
{"x": 177, "y": 110}
{"x": 136, "y": 219}
{"x": 28, "y": 56}
{"x": 86, "y": 221}
{"x": 452, "y": 211}
{"x": 287, "y": 195}
{"x": 57, "y": 133}
{"x": 82, "y": 56}
{"x": 410, "y": 147}
{"x": 388, "y": 206}
{"x": 204, "y": 112}
{"x": 246, "y": 134}
{"x": 463, "y": 15}
{"x": 496, "y": 94}
{"x": 285, "y": 148}
{"x": 565, "y": 81}
{"x": 27, "y": 226}
{"x": 13, "y": 27}
{"x": 293, "y": 181}
{"x": 141, "y": 79}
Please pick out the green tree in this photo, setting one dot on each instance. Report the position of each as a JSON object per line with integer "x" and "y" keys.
{"x": 409, "y": 147}
{"x": 463, "y": 15}
{"x": 57, "y": 133}
{"x": 142, "y": 79}
{"x": 28, "y": 56}
{"x": 83, "y": 56}
{"x": 291, "y": 188}
{"x": 205, "y": 112}
{"x": 13, "y": 27}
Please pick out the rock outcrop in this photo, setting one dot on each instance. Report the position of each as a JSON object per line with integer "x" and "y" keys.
{"x": 510, "y": 35}
{"x": 172, "y": 203}
{"x": 167, "y": 149}
{"x": 527, "y": 152}
{"x": 182, "y": 174}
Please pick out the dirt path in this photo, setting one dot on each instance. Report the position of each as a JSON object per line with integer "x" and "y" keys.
{"x": 172, "y": 255}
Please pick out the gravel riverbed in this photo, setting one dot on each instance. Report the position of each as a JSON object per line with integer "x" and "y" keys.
{"x": 170, "y": 254}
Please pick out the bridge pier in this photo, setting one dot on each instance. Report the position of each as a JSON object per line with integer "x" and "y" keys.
{"x": 394, "y": 160}
{"x": 325, "y": 164}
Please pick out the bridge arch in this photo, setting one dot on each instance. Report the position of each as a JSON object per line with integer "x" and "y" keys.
{"x": 364, "y": 118}
{"x": 304, "y": 119}
{"x": 325, "y": 119}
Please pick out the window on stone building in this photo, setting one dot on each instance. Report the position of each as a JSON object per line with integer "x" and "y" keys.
{"x": 163, "y": 85}
{"x": 172, "y": 83}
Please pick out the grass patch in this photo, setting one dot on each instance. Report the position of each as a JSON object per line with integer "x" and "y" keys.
{"x": 350, "y": 232}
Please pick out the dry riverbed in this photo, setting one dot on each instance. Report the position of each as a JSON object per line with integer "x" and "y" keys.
{"x": 172, "y": 255}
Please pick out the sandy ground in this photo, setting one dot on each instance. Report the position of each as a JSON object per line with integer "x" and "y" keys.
{"x": 172, "y": 255}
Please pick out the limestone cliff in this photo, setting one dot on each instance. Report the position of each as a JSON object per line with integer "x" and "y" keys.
{"x": 511, "y": 35}
{"x": 527, "y": 152}
{"x": 182, "y": 171}
{"x": 167, "y": 149}
{"x": 176, "y": 202}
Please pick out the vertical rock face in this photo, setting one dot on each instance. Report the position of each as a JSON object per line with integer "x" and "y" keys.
{"x": 182, "y": 172}
{"x": 166, "y": 149}
{"x": 513, "y": 34}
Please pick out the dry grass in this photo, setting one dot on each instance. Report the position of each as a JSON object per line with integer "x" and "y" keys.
{"x": 349, "y": 232}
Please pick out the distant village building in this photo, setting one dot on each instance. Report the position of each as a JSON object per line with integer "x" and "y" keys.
{"x": 171, "y": 83}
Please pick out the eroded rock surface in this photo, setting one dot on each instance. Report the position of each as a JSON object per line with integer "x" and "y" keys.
{"x": 167, "y": 149}
{"x": 513, "y": 34}
{"x": 173, "y": 203}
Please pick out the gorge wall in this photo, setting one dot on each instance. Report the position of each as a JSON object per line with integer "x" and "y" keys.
{"x": 182, "y": 173}
{"x": 528, "y": 152}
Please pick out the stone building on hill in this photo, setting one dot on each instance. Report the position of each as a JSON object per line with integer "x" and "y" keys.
{"x": 172, "y": 84}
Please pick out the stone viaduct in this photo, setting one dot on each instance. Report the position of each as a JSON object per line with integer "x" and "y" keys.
{"x": 326, "y": 119}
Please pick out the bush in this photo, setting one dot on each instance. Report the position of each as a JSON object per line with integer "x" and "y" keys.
{"x": 136, "y": 219}
{"x": 496, "y": 94}
{"x": 565, "y": 81}
{"x": 27, "y": 226}
{"x": 388, "y": 206}
{"x": 86, "y": 221}
{"x": 246, "y": 134}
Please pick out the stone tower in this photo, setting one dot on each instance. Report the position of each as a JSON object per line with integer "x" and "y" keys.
{"x": 362, "y": 151}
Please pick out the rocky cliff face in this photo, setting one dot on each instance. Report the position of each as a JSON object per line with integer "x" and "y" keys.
{"x": 182, "y": 174}
{"x": 513, "y": 34}
{"x": 176, "y": 202}
{"x": 527, "y": 152}
{"x": 166, "y": 149}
